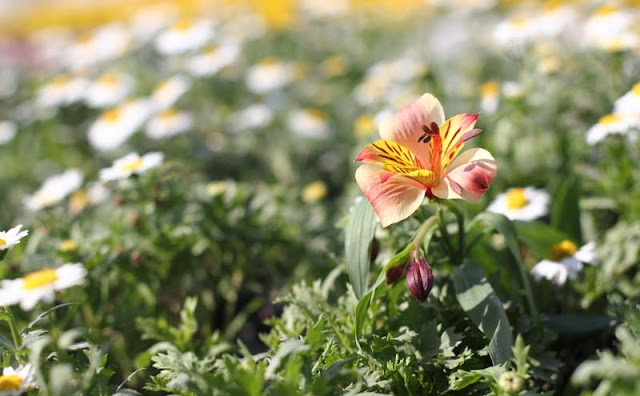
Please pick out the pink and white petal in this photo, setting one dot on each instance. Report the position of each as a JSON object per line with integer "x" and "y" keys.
{"x": 393, "y": 197}
{"x": 405, "y": 127}
{"x": 468, "y": 177}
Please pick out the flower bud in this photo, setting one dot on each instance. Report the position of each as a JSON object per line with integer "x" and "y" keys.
{"x": 419, "y": 278}
{"x": 510, "y": 382}
{"x": 395, "y": 273}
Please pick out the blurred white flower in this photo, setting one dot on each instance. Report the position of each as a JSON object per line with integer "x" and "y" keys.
{"x": 489, "y": 97}
{"x": 565, "y": 262}
{"x": 516, "y": 31}
{"x": 8, "y": 131}
{"x": 168, "y": 91}
{"x": 309, "y": 122}
{"x": 325, "y": 8}
{"x": 63, "y": 90}
{"x": 555, "y": 19}
{"x": 629, "y": 103}
{"x": 521, "y": 203}
{"x": 147, "y": 22}
{"x": 184, "y": 36}
{"x": 54, "y": 189}
{"x": 607, "y": 20}
{"x": 131, "y": 164}
{"x": 40, "y": 285}
{"x": 212, "y": 59}
{"x": 117, "y": 124}
{"x": 269, "y": 75}
{"x": 511, "y": 89}
{"x": 169, "y": 123}
{"x": 103, "y": 44}
{"x": 9, "y": 239}
{"x": 14, "y": 382}
{"x": 610, "y": 124}
{"x": 108, "y": 90}
{"x": 255, "y": 116}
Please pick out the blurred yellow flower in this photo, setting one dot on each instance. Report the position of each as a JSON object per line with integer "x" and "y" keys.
{"x": 67, "y": 246}
{"x": 364, "y": 125}
{"x": 314, "y": 192}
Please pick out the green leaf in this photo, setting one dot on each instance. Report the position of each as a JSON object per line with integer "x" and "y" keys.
{"x": 579, "y": 324}
{"x": 358, "y": 237}
{"x": 565, "y": 211}
{"x": 479, "y": 301}
{"x": 363, "y": 305}
{"x": 539, "y": 237}
{"x": 504, "y": 226}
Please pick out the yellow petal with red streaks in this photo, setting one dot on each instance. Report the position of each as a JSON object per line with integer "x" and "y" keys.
{"x": 395, "y": 157}
{"x": 454, "y": 132}
{"x": 393, "y": 197}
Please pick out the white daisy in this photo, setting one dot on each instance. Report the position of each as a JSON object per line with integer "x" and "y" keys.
{"x": 212, "y": 59}
{"x": 489, "y": 97}
{"x": 40, "y": 285}
{"x": 8, "y": 131}
{"x": 147, "y": 22}
{"x": 565, "y": 262}
{"x": 184, "y": 36}
{"x": 309, "y": 122}
{"x": 269, "y": 75}
{"x": 9, "y": 239}
{"x": 325, "y": 8}
{"x": 131, "y": 164}
{"x": 108, "y": 90}
{"x": 168, "y": 91}
{"x": 14, "y": 382}
{"x": 555, "y": 19}
{"x": 63, "y": 90}
{"x": 97, "y": 46}
{"x": 516, "y": 31}
{"x": 54, "y": 189}
{"x": 610, "y": 124}
{"x": 117, "y": 124}
{"x": 606, "y": 22}
{"x": 629, "y": 103}
{"x": 255, "y": 116}
{"x": 521, "y": 203}
{"x": 169, "y": 123}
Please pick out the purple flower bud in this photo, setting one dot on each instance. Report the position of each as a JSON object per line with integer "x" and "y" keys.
{"x": 394, "y": 274}
{"x": 419, "y": 278}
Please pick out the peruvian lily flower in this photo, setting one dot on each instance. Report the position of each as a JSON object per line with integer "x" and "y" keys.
{"x": 417, "y": 157}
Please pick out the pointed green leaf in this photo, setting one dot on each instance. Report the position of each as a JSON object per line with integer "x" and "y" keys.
{"x": 539, "y": 237}
{"x": 565, "y": 211}
{"x": 358, "y": 237}
{"x": 479, "y": 301}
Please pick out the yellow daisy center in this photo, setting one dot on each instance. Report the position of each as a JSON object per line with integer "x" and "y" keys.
{"x": 168, "y": 114}
{"x": 364, "y": 125}
{"x": 490, "y": 88}
{"x": 67, "y": 246}
{"x": 10, "y": 382}
{"x": 109, "y": 79}
{"x": 182, "y": 25}
{"x": 516, "y": 198}
{"x": 111, "y": 115}
{"x": 520, "y": 22}
{"x": 317, "y": 114}
{"x": 38, "y": 279}
{"x": 60, "y": 81}
{"x": 636, "y": 89}
{"x": 270, "y": 61}
{"x": 605, "y": 10}
{"x": 133, "y": 166}
{"x": 78, "y": 201}
{"x": 608, "y": 119}
{"x": 2, "y": 242}
{"x": 314, "y": 192}
{"x": 563, "y": 249}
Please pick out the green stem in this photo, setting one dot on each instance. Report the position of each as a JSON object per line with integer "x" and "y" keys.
{"x": 461, "y": 230}
{"x": 422, "y": 231}
{"x": 445, "y": 236}
{"x": 17, "y": 341}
